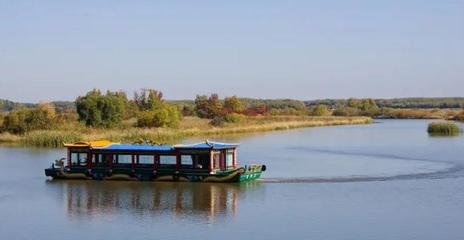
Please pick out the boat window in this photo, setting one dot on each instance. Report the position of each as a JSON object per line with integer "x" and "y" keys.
{"x": 96, "y": 158}
{"x": 124, "y": 159}
{"x": 146, "y": 159}
{"x": 230, "y": 159}
{"x": 167, "y": 160}
{"x": 186, "y": 160}
{"x": 74, "y": 158}
{"x": 83, "y": 159}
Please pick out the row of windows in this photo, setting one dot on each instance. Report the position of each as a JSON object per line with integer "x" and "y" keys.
{"x": 197, "y": 161}
{"x": 81, "y": 159}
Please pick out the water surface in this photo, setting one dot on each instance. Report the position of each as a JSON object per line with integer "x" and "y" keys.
{"x": 387, "y": 180}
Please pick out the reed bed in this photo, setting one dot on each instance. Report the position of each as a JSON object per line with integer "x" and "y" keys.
{"x": 443, "y": 128}
{"x": 188, "y": 128}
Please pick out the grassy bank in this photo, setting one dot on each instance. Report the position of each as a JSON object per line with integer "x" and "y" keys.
{"x": 443, "y": 129}
{"x": 190, "y": 126}
{"x": 414, "y": 113}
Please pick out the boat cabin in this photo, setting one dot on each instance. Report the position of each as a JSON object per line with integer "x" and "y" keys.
{"x": 207, "y": 157}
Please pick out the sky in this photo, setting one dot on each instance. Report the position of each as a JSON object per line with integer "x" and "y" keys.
{"x": 58, "y": 50}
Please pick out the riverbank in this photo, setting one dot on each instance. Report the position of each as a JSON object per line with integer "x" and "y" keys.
{"x": 189, "y": 126}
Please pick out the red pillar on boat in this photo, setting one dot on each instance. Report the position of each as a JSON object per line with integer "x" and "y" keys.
{"x": 221, "y": 159}
{"x": 89, "y": 160}
{"x": 211, "y": 156}
{"x": 133, "y": 161}
{"x": 155, "y": 161}
{"x": 69, "y": 157}
{"x": 178, "y": 160}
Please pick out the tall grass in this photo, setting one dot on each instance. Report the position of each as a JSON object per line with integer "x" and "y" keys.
{"x": 443, "y": 128}
{"x": 189, "y": 127}
{"x": 49, "y": 138}
{"x": 7, "y": 137}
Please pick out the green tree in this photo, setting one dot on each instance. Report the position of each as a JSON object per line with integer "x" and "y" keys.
{"x": 233, "y": 105}
{"x": 154, "y": 111}
{"x": 148, "y": 99}
{"x": 98, "y": 110}
{"x": 201, "y": 106}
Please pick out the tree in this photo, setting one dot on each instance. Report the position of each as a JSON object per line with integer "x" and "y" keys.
{"x": 320, "y": 110}
{"x": 154, "y": 111}
{"x": 98, "y": 110}
{"x": 148, "y": 99}
{"x": 208, "y": 107}
{"x": 201, "y": 106}
{"x": 233, "y": 105}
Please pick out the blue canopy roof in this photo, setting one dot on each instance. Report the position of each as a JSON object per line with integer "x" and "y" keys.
{"x": 208, "y": 145}
{"x": 141, "y": 147}
{"x": 129, "y": 147}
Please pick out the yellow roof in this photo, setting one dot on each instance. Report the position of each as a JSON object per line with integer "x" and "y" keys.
{"x": 100, "y": 143}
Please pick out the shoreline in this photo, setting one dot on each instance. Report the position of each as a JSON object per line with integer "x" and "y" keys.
{"x": 191, "y": 127}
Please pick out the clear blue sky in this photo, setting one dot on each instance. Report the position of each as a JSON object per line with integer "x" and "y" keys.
{"x": 57, "y": 50}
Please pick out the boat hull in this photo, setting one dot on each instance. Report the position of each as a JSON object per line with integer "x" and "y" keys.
{"x": 242, "y": 174}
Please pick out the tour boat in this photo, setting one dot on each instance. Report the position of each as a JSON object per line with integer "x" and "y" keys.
{"x": 201, "y": 162}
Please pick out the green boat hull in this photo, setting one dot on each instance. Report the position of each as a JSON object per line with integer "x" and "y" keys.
{"x": 243, "y": 174}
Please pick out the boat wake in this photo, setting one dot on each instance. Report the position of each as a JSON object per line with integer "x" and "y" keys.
{"x": 440, "y": 169}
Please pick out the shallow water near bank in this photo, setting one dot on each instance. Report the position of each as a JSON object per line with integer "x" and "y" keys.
{"x": 388, "y": 180}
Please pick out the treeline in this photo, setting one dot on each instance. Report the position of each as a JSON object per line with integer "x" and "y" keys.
{"x": 146, "y": 109}
{"x": 457, "y": 102}
{"x": 60, "y": 106}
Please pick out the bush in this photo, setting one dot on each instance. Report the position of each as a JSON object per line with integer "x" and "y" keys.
{"x": 346, "y": 111}
{"x": 443, "y": 128}
{"x": 233, "y": 105}
{"x": 164, "y": 116}
{"x": 320, "y": 110}
{"x": 234, "y": 118}
{"x": 23, "y": 120}
{"x": 460, "y": 116}
{"x": 217, "y": 121}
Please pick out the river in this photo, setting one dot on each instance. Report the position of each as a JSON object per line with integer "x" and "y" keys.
{"x": 387, "y": 180}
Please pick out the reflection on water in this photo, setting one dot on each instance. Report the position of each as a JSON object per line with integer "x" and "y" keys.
{"x": 204, "y": 200}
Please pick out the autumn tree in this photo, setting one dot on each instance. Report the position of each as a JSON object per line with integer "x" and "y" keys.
{"x": 233, "y": 105}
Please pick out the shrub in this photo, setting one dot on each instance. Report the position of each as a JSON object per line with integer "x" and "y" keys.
{"x": 443, "y": 128}
{"x": 164, "y": 116}
{"x": 234, "y": 118}
{"x": 460, "y": 116}
{"x": 217, "y": 121}
{"x": 320, "y": 110}
{"x": 233, "y": 105}
{"x": 23, "y": 120}
{"x": 346, "y": 111}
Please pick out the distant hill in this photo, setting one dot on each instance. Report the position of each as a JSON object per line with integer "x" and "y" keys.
{"x": 61, "y": 106}
{"x": 7, "y": 105}
{"x": 452, "y": 102}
